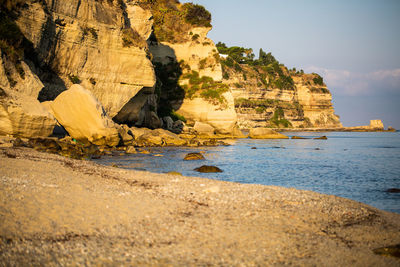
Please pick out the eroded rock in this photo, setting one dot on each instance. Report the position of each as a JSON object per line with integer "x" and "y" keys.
{"x": 265, "y": 133}
{"x": 84, "y": 118}
{"x": 208, "y": 169}
{"x": 194, "y": 156}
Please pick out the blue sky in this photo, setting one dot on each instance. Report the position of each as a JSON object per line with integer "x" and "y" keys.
{"x": 353, "y": 44}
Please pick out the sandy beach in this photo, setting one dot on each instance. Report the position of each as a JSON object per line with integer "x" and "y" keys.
{"x": 59, "y": 211}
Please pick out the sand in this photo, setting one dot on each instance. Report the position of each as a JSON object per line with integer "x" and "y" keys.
{"x": 58, "y": 211}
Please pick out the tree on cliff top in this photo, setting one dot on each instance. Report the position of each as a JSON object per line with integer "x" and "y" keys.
{"x": 197, "y": 15}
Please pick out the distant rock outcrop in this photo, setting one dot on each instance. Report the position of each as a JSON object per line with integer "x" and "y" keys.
{"x": 260, "y": 102}
{"x": 265, "y": 133}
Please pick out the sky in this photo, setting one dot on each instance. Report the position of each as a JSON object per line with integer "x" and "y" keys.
{"x": 353, "y": 44}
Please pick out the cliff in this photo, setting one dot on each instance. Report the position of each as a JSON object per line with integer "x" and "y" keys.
{"x": 87, "y": 42}
{"x": 267, "y": 94}
{"x": 188, "y": 69}
{"x": 149, "y": 63}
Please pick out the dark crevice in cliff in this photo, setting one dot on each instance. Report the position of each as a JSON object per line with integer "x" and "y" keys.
{"x": 77, "y": 8}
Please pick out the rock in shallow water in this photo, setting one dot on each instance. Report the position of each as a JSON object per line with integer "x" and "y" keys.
{"x": 298, "y": 137}
{"x": 321, "y": 138}
{"x": 194, "y": 156}
{"x": 208, "y": 169}
{"x": 265, "y": 133}
{"x": 393, "y": 190}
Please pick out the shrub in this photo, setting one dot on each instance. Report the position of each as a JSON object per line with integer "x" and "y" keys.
{"x": 278, "y": 119}
{"x": 225, "y": 75}
{"x": 260, "y": 109}
{"x": 205, "y": 87}
{"x": 195, "y": 37}
{"x": 175, "y": 116}
{"x": 130, "y": 37}
{"x": 318, "y": 80}
{"x": 196, "y": 15}
{"x": 74, "y": 79}
{"x": 202, "y": 63}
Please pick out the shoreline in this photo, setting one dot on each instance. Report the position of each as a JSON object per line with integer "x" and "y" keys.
{"x": 56, "y": 210}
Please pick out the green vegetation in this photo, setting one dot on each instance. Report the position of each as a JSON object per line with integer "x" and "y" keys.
{"x": 318, "y": 80}
{"x": 195, "y": 37}
{"x": 205, "y": 87}
{"x": 196, "y": 15}
{"x": 247, "y": 103}
{"x": 172, "y": 21}
{"x": 279, "y": 120}
{"x": 260, "y": 109}
{"x": 74, "y": 79}
{"x": 267, "y": 68}
{"x": 175, "y": 116}
{"x": 319, "y": 90}
{"x": 130, "y": 37}
{"x": 92, "y": 31}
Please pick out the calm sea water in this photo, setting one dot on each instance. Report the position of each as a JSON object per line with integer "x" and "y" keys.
{"x": 359, "y": 166}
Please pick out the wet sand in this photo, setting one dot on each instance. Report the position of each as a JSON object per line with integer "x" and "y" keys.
{"x": 58, "y": 211}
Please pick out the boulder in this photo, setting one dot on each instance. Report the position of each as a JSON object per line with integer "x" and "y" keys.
{"x": 391, "y": 129}
{"x": 177, "y": 126}
{"x": 194, "y": 156}
{"x": 321, "y": 138}
{"x": 169, "y": 138}
{"x": 298, "y": 137}
{"x": 84, "y": 118}
{"x": 169, "y": 122}
{"x": 208, "y": 169}
{"x": 138, "y": 132}
{"x": 150, "y": 139}
{"x": 24, "y": 116}
{"x": 130, "y": 150}
{"x": 125, "y": 134}
{"x": 265, "y": 133}
{"x": 237, "y": 133}
{"x": 204, "y": 128}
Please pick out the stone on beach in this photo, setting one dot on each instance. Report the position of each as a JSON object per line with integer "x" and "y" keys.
{"x": 24, "y": 116}
{"x": 84, "y": 118}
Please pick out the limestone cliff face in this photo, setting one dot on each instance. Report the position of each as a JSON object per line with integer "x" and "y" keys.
{"x": 21, "y": 114}
{"x": 316, "y": 102}
{"x": 197, "y": 54}
{"x": 92, "y": 43}
{"x": 260, "y": 104}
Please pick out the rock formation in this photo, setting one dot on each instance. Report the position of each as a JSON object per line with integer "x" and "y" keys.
{"x": 84, "y": 118}
{"x": 258, "y": 104}
{"x": 24, "y": 116}
{"x": 265, "y": 133}
{"x": 189, "y": 57}
{"x": 92, "y": 43}
{"x": 21, "y": 114}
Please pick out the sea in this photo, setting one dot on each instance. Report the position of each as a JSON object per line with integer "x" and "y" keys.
{"x": 355, "y": 165}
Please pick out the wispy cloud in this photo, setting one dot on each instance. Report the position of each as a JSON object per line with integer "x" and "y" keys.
{"x": 344, "y": 82}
